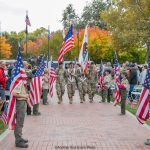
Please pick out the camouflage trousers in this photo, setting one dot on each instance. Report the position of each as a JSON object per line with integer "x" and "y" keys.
{"x": 82, "y": 87}
{"x": 60, "y": 88}
{"x": 20, "y": 115}
{"x": 123, "y": 100}
{"x": 105, "y": 93}
{"x": 71, "y": 89}
{"x": 91, "y": 90}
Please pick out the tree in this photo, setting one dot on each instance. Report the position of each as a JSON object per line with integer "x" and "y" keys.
{"x": 99, "y": 45}
{"x": 129, "y": 24}
{"x": 68, "y": 16}
{"x": 5, "y": 48}
{"x": 91, "y": 14}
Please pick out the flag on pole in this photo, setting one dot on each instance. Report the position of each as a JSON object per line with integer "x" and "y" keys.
{"x": 36, "y": 85}
{"x": 83, "y": 56}
{"x": 19, "y": 75}
{"x": 67, "y": 44}
{"x": 142, "y": 113}
{"x": 117, "y": 74}
{"x": 27, "y": 20}
{"x": 52, "y": 78}
{"x": 3, "y": 117}
{"x": 101, "y": 76}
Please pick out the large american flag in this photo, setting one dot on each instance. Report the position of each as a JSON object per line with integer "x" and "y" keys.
{"x": 3, "y": 117}
{"x": 67, "y": 44}
{"x": 117, "y": 74}
{"x": 19, "y": 75}
{"x": 144, "y": 106}
{"x": 52, "y": 75}
{"x": 36, "y": 85}
{"x": 101, "y": 76}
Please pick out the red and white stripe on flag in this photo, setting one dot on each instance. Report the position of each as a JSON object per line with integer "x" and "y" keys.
{"x": 61, "y": 53}
{"x": 11, "y": 112}
{"x": 143, "y": 106}
{"x": 35, "y": 90}
{"x": 52, "y": 80}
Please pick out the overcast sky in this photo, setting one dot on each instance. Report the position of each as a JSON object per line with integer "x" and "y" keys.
{"x": 41, "y": 13}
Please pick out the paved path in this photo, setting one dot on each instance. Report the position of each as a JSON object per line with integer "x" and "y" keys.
{"x": 80, "y": 126}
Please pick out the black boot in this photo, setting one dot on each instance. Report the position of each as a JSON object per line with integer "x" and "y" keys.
{"x": 22, "y": 145}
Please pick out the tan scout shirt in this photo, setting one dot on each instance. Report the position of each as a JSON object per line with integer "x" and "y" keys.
{"x": 20, "y": 89}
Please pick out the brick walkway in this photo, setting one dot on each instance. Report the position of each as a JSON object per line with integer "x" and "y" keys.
{"x": 80, "y": 126}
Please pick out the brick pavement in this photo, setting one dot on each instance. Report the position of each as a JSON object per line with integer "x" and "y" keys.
{"x": 80, "y": 126}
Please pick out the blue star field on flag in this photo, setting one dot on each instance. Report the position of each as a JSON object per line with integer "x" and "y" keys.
{"x": 40, "y": 69}
{"x": 19, "y": 63}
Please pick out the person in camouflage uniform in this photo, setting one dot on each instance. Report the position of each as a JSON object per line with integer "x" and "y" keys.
{"x": 60, "y": 81}
{"x": 123, "y": 91}
{"x": 92, "y": 77}
{"x": 20, "y": 92}
{"x": 71, "y": 81}
{"x": 105, "y": 93}
{"x": 82, "y": 83}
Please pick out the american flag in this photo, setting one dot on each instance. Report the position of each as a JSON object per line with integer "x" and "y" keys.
{"x": 143, "y": 106}
{"x": 52, "y": 78}
{"x": 36, "y": 85}
{"x": 3, "y": 117}
{"x": 101, "y": 76}
{"x": 19, "y": 75}
{"x": 27, "y": 20}
{"x": 67, "y": 44}
{"x": 117, "y": 73}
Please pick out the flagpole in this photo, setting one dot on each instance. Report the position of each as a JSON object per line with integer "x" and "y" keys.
{"x": 48, "y": 44}
{"x": 26, "y": 37}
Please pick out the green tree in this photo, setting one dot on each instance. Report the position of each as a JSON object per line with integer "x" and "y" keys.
{"x": 91, "y": 13}
{"x": 68, "y": 16}
{"x": 129, "y": 24}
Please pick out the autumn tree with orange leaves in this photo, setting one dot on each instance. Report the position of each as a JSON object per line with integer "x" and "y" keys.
{"x": 99, "y": 45}
{"x": 5, "y": 48}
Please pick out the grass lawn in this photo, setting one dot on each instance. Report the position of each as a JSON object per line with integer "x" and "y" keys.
{"x": 2, "y": 127}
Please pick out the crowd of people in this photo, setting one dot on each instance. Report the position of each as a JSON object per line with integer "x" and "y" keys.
{"x": 73, "y": 76}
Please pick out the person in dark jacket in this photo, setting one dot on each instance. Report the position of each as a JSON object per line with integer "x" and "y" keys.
{"x": 133, "y": 78}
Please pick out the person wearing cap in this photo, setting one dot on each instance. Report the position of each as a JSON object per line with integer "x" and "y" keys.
{"x": 92, "y": 79}
{"x": 60, "y": 81}
{"x": 123, "y": 87}
{"x": 71, "y": 81}
{"x": 106, "y": 90}
{"x": 82, "y": 83}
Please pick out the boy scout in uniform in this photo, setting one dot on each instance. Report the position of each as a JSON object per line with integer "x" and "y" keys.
{"x": 92, "y": 80}
{"x": 123, "y": 91}
{"x": 71, "y": 81}
{"x": 82, "y": 83}
{"x": 20, "y": 92}
{"x": 60, "y": 81}
{"x": 106, "y": 91}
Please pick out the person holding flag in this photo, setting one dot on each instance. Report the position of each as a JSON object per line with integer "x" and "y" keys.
{"x": 18, "y": 99}
{"x": 92, "y": 79}
{"x": 60, "y": 81}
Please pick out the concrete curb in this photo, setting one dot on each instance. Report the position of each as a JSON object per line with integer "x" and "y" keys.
{"x": 130, "y": 114}
{"x": 4, "y": 134}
